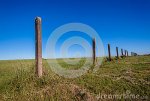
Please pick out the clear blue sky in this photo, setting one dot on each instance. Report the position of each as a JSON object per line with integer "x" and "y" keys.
{"x": 122, "y": 23}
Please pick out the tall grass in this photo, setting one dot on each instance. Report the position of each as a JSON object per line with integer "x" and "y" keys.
{"x": 18, "y": 81}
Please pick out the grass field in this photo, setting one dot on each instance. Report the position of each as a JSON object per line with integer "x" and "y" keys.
{"x": 130, "y": 75}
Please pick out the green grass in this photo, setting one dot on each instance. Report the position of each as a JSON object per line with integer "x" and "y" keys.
{"x": 19, "y": 83}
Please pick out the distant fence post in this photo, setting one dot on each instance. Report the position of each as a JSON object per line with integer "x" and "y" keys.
{"x": 131, "y": 53}
{"x": 122, "y": 52}
{"x": 93, "y": 48}
{"x": 109, "y": 53}
{"x": 127, "y": 53}
{"x": 38, "y": 46}
{"x": 117, "y": 52}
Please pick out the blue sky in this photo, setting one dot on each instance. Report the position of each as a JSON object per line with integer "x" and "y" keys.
{"x": 122, "y": 23}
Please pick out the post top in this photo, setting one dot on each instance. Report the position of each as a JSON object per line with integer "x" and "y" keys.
{"x": 93, "y": 39}
{"x": 38, "y": 18}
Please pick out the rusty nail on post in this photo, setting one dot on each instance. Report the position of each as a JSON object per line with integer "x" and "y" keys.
{"x": 109, "y": 53}
{"x": 38, "y": 45}
{"x": 117, "y": 52}
{"x": 93, "y": 48}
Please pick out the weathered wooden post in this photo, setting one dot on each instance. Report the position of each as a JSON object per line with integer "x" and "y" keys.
{"x": 117, "y": 52}
{"x": 38, "y": 46}
{"x": 122, "y": 52}
{"x": 131, "y": 53}
{"x": 109, "y": 53}
{"x": 93, "y": 47}
{"x": 127, "y": 53}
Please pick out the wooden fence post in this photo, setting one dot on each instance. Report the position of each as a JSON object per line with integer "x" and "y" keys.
{"x": 38, "y": 46}
{"x": 122, "y": 52}
{"x": 93, "y": 48}
{"x": 131, "y": 53}
{"x": 109, "y": 53}
{"x": 117, "y": 52}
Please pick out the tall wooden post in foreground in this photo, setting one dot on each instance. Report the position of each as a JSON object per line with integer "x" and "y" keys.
{"x": 38, "y": 46}
{"x": 122, "y": 52}
{"x": 93, "y": 48}
{"x": 109, "y": 53}
{"x": 117, "y": 52}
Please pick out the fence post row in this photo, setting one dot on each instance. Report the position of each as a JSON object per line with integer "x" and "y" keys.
{"x": 93, "y": 48}
{"x": 38, "y": 47}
